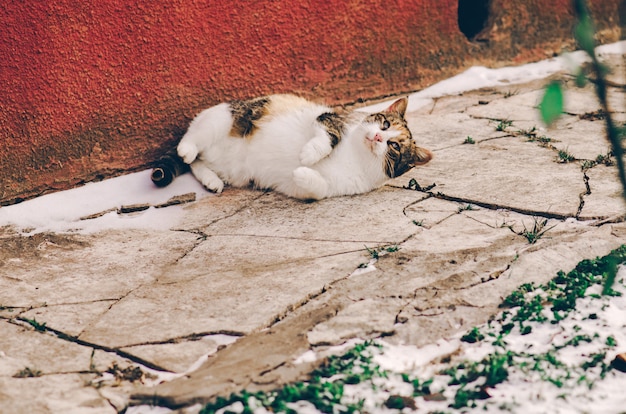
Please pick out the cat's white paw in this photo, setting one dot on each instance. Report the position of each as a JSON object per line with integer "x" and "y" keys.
{"x": 311, "y": 183}
{"x": 213, "y": 185}
{"x": 207, "y": 177}
{"x": 187, "y": 151}
{"x": 313, "y": 151}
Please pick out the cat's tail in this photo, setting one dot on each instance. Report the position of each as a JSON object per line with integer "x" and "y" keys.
{"x": 167, "y": 168}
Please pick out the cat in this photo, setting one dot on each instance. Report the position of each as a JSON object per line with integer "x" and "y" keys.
{"x": 297, "y": 147}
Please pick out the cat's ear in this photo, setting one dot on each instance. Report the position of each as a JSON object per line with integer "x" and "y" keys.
{"x": 399, "y": 106}
{"x": 420, "y": 155}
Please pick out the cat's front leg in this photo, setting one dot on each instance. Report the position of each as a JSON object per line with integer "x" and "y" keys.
{"x": 207, "y": 177}
{"x": 311, "y": 183}
{"x": 315, "y": 149}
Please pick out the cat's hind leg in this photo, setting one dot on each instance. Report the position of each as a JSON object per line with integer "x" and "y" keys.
{"x": 207, "y": 177}
{"x": 187, "y": 150}
{"x": 310, "y": 183}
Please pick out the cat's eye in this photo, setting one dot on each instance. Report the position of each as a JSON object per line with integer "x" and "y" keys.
{"x": 394, "y": 145}
{"x": 386, "y": 125}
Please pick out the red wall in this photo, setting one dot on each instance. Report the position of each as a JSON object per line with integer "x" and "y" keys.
{"x": 91, "y": 89}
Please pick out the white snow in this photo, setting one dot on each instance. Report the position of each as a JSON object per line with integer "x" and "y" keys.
{"x": 62, "y": 211}
{"x": 478, "y": 77}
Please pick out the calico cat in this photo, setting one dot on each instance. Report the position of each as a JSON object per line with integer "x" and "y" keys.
{"x": 302, "y": 149}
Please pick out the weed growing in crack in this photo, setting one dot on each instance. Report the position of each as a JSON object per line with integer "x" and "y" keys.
{"x": 469, "y": 140}
{"x": 38, "y": 326}
{"x": 414, "y": 185}
{"x": 598, "y": 115}
{"x": 467, "y": 207}
{"x": 542, "y": 140}
{"x": 533, "y": 234}
{"x": 503, "y": 124}
{"x": 606, "y": 159}
{"x": 379, "y": 251}
{"x": 130, "y": 373}
{"x": 563, "y": 156}
{"x": 6, "y": 308}
{"x": 419, "y": 223}
{"x": 27, "y": 373}
{"x": 602, "y": 159}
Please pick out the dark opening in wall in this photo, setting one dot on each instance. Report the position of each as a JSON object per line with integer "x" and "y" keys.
{"x": 473, "y": 16}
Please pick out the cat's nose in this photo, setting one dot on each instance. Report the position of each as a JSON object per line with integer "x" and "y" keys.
{"x": 378, "y": 137}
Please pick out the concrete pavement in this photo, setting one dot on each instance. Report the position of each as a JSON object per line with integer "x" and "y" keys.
{"x": 249, "y": 281}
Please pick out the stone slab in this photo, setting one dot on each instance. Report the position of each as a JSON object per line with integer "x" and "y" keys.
{"x": 525, "y": 172}
{"x": 64, "y": 393}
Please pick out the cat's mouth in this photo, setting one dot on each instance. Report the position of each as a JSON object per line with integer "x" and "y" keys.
{"x": 372, "y": 141}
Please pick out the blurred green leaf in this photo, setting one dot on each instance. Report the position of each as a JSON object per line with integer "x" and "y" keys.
{"x": 551, "y": 106}
{"x": 584, "y": 34}
{"x": 581, "y": 79}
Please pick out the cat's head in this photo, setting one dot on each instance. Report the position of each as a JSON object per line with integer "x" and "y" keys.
{"x": 389, "y": 138}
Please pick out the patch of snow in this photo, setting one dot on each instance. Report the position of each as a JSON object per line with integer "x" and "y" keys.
{"x": 404, "y": 358}
{"x": 308, "y": 356}
{"x": 62, "y": 211}
{"x": 478, "y": 77}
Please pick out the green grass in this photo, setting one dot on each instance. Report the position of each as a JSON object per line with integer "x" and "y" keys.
{"x": 353, "y": 367}
{"x": 469, "y": 140}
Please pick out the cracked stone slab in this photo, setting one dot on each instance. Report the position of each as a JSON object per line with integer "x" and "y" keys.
{"x": 585, "y": 140}
{"x": 443, "y": 313}
{"x": 458, "y": 127}
{"x": 520, "y": 108}
{"x": 215, "y": 207}
{"x": 528, "y": 178}
{"x": 22, "y": 347}
{"x": 365, "y": 318}
{"x": 239, "y": 301}
{"x": 181, "y": 355}
{"x": 431, "y": 211}
{"x": 606, "y": 194}
{"x": 250, "y": 254}
{"x": 71, "y": 319}
{"x": 61, "y": 393}
{"x": 78, "y": 269}
{"x": 372, "y": 217}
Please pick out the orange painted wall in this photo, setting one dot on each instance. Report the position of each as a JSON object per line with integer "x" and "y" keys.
{"x": 92, "y": 89}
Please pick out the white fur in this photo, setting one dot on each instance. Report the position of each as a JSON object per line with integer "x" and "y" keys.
{"x": 288, "y": 152}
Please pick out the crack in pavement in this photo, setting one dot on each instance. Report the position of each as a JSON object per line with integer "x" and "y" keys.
{"x": 187, "y": 338}
{"x": 43, "y": 329}
{"x": 493, "y": 206}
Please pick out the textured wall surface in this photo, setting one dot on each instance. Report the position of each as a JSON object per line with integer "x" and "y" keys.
{"x": 93, "y": 89}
